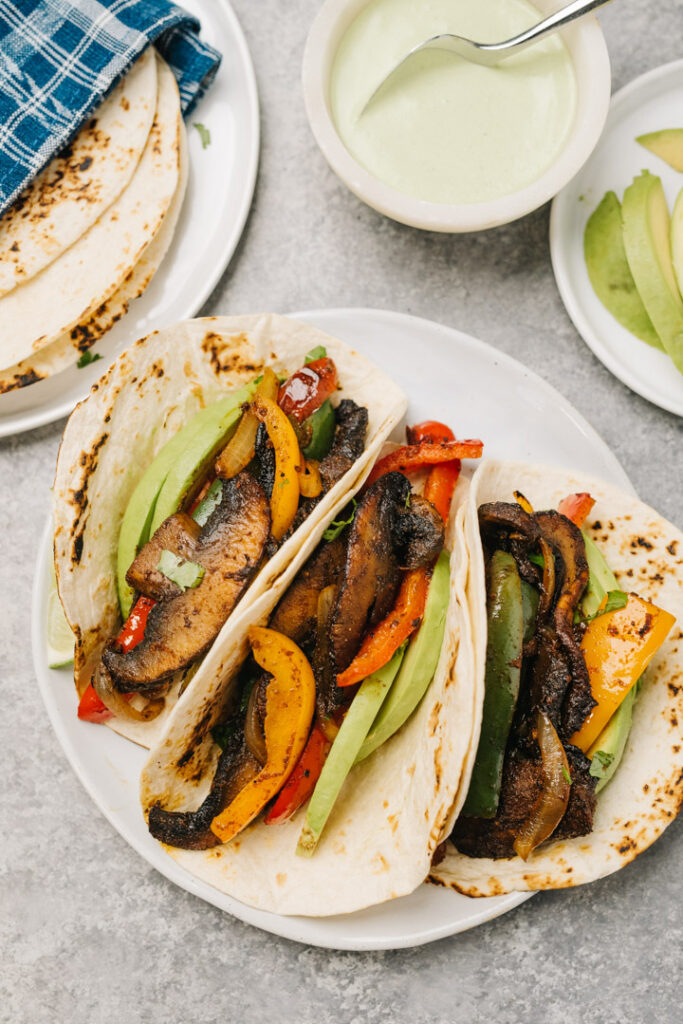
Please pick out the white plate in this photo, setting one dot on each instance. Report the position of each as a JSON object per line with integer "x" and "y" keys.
{"x": 651, "y": 102}
{"x": 219, "y": 193}
{"x": 481, "y": 393}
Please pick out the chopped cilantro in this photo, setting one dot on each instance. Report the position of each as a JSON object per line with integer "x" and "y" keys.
{"x": 222, "y": 733}
{"x": 204, "y": 133}
{"x": 566, "y": 774}
{"x": 87, "y": 358}
{"x": 601, "y": 761}
{"x": 185, "y": 574}
{"x": 319, "y": 352}
{"x": 335, "y": 528}
{"x": 209, "y": 503}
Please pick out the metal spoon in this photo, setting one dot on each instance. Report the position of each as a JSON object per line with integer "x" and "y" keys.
{"x": 489, "y": 54}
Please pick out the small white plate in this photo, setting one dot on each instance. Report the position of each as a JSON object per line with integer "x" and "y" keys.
{"x": 482, "y": 393}
{"x": 648, "y": 104}
{"x": 218, "y": 198}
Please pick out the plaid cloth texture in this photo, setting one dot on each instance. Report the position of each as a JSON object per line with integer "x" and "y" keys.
{"x": 60, "y": 58}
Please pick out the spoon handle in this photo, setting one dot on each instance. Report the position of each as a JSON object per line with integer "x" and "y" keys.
{"x": 549, "y": 24}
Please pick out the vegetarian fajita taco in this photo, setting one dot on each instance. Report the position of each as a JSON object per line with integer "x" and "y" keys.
{"x": 199, "y": 466}
{"x": 314, "y": 768}
{"x": 575, "y": 593}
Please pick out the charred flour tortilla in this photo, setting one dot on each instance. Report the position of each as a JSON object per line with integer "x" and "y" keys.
{"x": 63, "y": 352}
{"x": 142, "y": 401}
{"x": 70, "y": 289}
{"x": 392, "y": 810}
{"x": 79, "y": 185}
{"x": 646, "y": 554}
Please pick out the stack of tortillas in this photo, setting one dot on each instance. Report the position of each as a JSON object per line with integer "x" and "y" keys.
{"x": 88, "y": 234}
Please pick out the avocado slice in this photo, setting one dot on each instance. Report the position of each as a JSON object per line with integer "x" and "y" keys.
{"x": 667, "y": 144}
{"x": 342, "y": 755}
{"x": 601, "y": 579}
{"x": 610, "y": 274}
{"x": 677, "y": 240}
{"x": 647, "y": 240}
{"x": 608, "y": 749}
{"x": 173, "y": 471}
{"x": 418, "y": 665}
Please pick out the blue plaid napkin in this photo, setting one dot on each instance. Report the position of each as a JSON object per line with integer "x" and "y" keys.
{"x": 60, "y": 58}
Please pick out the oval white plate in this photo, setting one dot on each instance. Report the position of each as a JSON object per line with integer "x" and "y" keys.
{"x": 219, "y": 193}
{"x": 481, "y": 393}
{"x": 649, "y": 103}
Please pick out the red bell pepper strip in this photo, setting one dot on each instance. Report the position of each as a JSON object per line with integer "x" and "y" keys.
{"x": 442, "y": 479}
{"x": 412, "y": 457}
{"x": 576, "y": 507}
{"x": 91, "y": 708}
{"x": 306, "y": 390}
{"x": 301, "y": 783}
{"x": 383, "y": 641}
{"x": 133, "y": 628}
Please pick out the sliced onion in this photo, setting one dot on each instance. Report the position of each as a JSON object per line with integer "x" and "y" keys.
{"x": 548, "y": 584}
{"x": 253, "y": 730}
{"x": 239, "y": 451}
{"x": 552, "y": 804}
{"x": 310, "y": 481}
{"x": 103, "y": 685}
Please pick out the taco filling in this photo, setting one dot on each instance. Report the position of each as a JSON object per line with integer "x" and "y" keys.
{"x": 566, "y": 649}
{"x": 218, "y": 500}
{"x": 346, "y": 655}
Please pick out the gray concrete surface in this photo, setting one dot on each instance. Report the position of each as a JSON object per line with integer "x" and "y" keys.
{"x": 89, "y": 933}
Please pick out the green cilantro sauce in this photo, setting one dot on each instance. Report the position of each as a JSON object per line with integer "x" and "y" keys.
{"x": 442, "y": 129}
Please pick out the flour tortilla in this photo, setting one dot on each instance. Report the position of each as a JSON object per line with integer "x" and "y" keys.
{"x": 142, "y": 401}
{"x": 393, "y": 808}
{"x": 63, "y": 352}
{"x": 78, "y": 186}
{"x": 70, "y": 289}
{"x": 646, "y": 553}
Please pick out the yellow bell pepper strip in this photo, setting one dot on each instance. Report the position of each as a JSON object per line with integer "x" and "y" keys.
{"x": 290, "y": 703}
{"x": 284, "y": 500}
{"x": 310, "y": 481}
{"x": 239, "y": 451}
{"x": 618, "y": 646}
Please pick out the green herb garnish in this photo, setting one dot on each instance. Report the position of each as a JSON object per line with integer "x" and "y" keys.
{"x": 87, "y": 358}
{"x": 336, "y": 527}
{"x": 204, "y": 133}
{"x": 185, "y": 574}
{"x": 566, "y": 774}
{"x": 600, "y": 762}
{"x": 221, "y": 733}
{"x": 538, "y": 560}
{"x": 319, "y": 352}
{"x": 209, "y": 503}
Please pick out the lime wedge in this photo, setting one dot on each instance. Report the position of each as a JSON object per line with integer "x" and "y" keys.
{"x": 60, "y": 639}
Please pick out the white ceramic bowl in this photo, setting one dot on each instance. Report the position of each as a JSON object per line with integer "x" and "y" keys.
{"x": 586, "y": 45}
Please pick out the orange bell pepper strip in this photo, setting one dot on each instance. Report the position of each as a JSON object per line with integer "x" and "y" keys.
{"x": 442, "y": 479}
{"x": 413, "y": 456}
{"x": 301, "y": 783}
{"x": 290, "y": 703}
{"x": 383, "y": 641}
{"x": 284, "y": 500}
{"x": 618, "y": 646}
{"x": 576, "y": 507}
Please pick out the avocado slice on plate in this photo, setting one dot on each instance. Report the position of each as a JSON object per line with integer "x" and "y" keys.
{"x": 677, "y": 240}
{"x": 647, "y": 240}
{"x": 667, "y": 144}
{"x": 610, "y": 274}
{"x": 170, "y": 478}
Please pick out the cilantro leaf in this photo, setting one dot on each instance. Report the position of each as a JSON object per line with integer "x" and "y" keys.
{"x": 209, "y": 503}
{"x": 87, "y": 358}
{"x": 335, "y": 528}
{"x": 319, "y": 352}
{"x": 204, "y": 133}
{"x": 600, "y": 762}
{"x": 185, "y": 574}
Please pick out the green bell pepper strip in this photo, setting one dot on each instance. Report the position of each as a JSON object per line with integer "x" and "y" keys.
{"x": 505, "y": 638}
{"x": 321, "y": 425}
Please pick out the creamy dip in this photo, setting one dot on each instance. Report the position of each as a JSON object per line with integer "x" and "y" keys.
{"x": 442, "y": 129}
